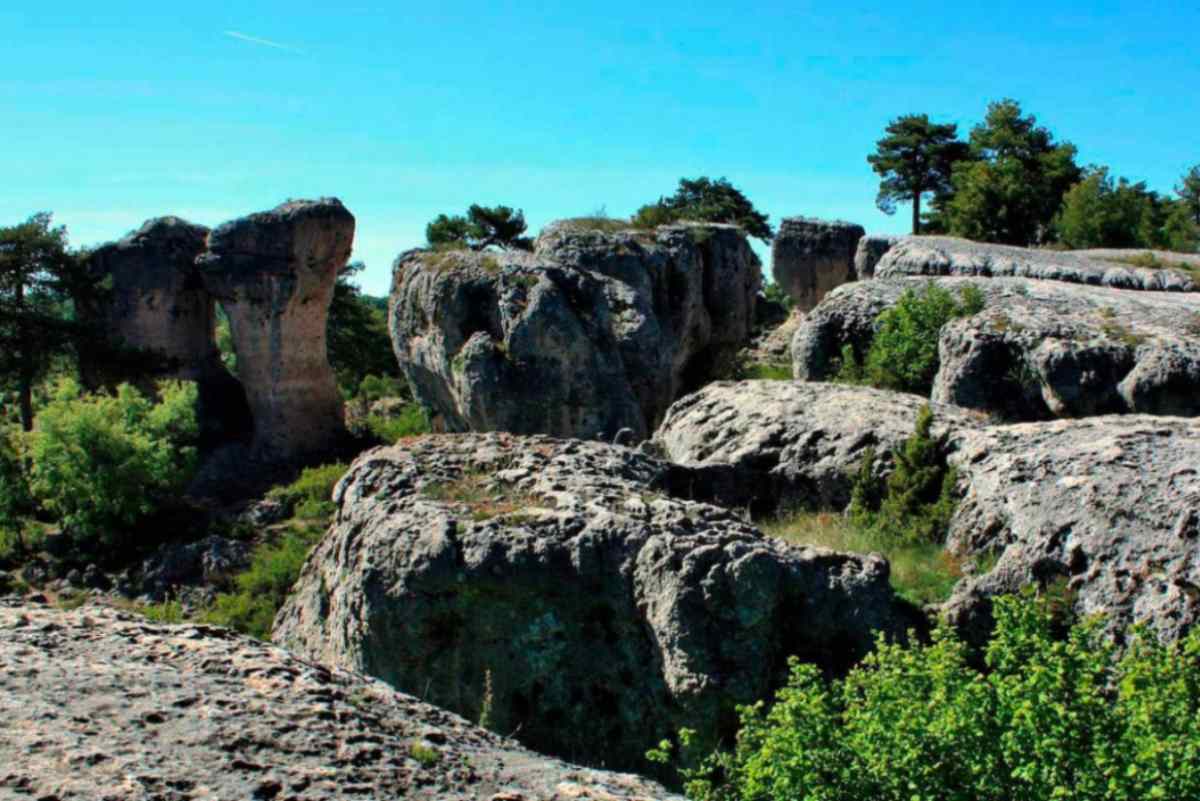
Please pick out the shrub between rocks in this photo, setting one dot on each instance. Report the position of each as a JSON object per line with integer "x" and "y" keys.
{"x": 1046, "y": 718}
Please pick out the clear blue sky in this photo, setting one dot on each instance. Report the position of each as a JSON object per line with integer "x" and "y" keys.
{"x": 116, "y": 112}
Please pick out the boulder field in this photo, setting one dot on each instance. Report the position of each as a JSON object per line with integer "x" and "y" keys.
{"x": 1039, "y": 348}
{"x": 560, "y": 590}
{"x": 98, "y": 704}
{"x": 591, "y": 333}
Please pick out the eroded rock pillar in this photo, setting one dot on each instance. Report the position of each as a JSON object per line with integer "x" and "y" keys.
{"x": 810, "y": 257}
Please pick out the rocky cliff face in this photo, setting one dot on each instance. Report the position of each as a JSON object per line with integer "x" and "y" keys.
{"x": 590, "y": 334}
{"x": 274, "y": 274}
{"x": 557, "y": 585}
{"x": 1039, "y": 349}
{"x": 98, "y": 704}
{"x": 943, "y": 255}
{"x": 811, "y": 257}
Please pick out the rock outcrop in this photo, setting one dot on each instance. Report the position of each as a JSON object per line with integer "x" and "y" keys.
{"x": 1188, "y": 261}
{"x": 1039, "y": 349}
{"x": 795, "y": 444}
{"x": 1110, "y": 506}
{"x": 274, "y": 274}
{"x": 554, "y": 587}
{"x": 98, "y": 704}
{"x": 870, "y": 250}
{"x": 943, "y": 255}
{"x": 592, "y": 333}
{"x": 810, "y": 257}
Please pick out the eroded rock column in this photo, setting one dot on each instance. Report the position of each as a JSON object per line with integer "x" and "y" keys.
{"x": 274, "y": 274}
{"x": 810, "y": 257}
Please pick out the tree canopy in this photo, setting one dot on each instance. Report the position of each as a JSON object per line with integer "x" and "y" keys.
{"x": 915, "y": 157}
{"x": 1189, "y": 192}
{"x": 357, "y": 334}
{"x": 705, "y": 200}
{"x": 480, "y": 228}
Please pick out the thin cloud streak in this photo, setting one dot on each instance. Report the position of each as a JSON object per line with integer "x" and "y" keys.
{"x": 245, "y": 37}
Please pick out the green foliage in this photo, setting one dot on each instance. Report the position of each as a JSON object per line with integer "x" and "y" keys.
{"x": 357, "y": 337}
{"x": 412, "y": 421}
{"x": 774, "y": 293}
{"x": 1012, "y": 187}
{"x": 311, "y": 495}
{"x": 1097, "y": 212}
{"x": 1188, "y": 190}
{"x": 760, "y": 371}
{"x": 263, "y": 588}
{"x": 705, "y": 200}
{"x": 915, "y": 157}
{"x": 224, "y": 337}
{"x": 425, "y": 754}
{"x": 915, "y": 504}
{"x": 482, "y": 227}
{"x": 16, "y": 500}
{"x": 377, "y": 387}
{"x": 165, "y": 612}
{"x": 101, "y": 463}
{"x": 904, "y": 351}
{"x": 1048, "y": 718}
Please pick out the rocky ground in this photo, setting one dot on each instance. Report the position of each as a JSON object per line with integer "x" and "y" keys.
{"x": 101, "y": 705}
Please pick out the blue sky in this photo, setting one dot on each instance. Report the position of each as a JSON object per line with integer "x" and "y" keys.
{"x": 117, "y": 112}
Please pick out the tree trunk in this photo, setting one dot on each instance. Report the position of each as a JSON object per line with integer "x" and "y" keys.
{"x": 916, "y": 204}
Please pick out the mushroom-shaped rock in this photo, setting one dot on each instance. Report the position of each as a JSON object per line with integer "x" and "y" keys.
{"x": 274, "y": 274}
{"x": 810, "y": 257}
{"x": 556, "y": 584}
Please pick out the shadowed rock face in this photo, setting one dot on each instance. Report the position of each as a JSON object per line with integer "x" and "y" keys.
{"x": 274, "y": 274}
{"x": 591, "y": 333}
{"x": 99, "y": 704}
{"x": 606, "y": 612}
{"x": 870, "y": 250}
{"x": 810, "y": 257}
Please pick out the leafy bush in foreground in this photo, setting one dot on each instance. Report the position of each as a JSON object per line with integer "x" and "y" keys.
{"x": 1046, "y": 719}
{"x": 101, "y": 463}
{"x": 904, "y": 351}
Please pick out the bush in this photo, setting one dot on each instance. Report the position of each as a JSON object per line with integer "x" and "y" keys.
{"x": 409, "y": 423}
{"x": 377, "y": 387}
{"x": 15, "y": 499}
{"x": 904, "y": 351}
{"x": 311, "y": 495}
{"x": 1045, "y": 719}
{"x": 101, "y": 463}
{"x": 262, "y": 589}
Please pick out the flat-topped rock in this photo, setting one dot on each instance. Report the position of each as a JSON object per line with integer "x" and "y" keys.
{"x": 795, "y": 444}
{"x": 1107, "y": 507}
{"x": 556, "y": 586}
{"x": 810, "y": 257}
{"x": 594, "y": 332}
{"x": 869, "y": 251}
{"x": 1038, "y": 349}
{"x": 100, "y": 704}
{"x": 943, "y": 255}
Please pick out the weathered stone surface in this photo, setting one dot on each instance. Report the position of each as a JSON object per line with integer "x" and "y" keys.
{"x": 99, "y": 704}
{"x": 1110, "y": 505}
{"x": 1185, "y": 260}
{"x": 591, "y": 333}
{"x": 1039, "y": 349}
{"x": 605, "y": 613}
{"x": 943, "y": 255}
{"x": 810, "y": 257}
{"x": 274, "y": 274}
{"x": 207, "y": 561}
{"x": 794, "y": 443}
{"x": 870, "y": 250}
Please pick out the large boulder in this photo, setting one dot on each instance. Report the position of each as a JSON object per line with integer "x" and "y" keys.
{"x": 1104, "y": 511}
{"x": 870, "y": 250}
{"x": 591, "y": 333}
{"x": 274, "y": 274}
{"x": 943, "y": 255}
{"x": 795, "y": 444}
{"x": 1038, "y": 349}
{"x": 556, "y": 587}
{"x": 810, "y": 257}
{"x": 100, "y": 704}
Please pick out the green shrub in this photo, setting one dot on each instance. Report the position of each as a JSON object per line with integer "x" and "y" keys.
{"x": 411, "y": 422}
{"x": 16, "y": 502}
{"x": 904, "y": 351}
{"x": 101, "y": 463}
{"x": 262, "y": 589}
{"x": 376, "y": 387}
{"x": 1047, "y": 718}
{"x": 311, "y": 495}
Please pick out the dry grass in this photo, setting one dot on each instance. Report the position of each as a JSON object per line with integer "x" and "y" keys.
{"x": 483, "y": 497}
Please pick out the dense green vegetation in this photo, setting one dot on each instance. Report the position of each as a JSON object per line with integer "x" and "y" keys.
{"x": 903, "y": 354}
{"x": 1044, "y": 718}
{"x": 705, "y": 200}
{"x": 915, "y": 157}
{"x": 480, "y": 228}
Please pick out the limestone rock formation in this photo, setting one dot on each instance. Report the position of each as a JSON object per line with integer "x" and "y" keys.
{"x": 1039, "y": 349}
{"x": 274, "y": 274}
{"x": 797, "y": 444}
{"x": 1108, "y": 505}
{"x": 555, "y": 586}
{"x": 98, "y": 704}
{"x": 870, "y": 250}
{"x": 1188, "y": 261}
{"x": 943, "y": 255}
{"x": 810, "y": 257}
{"x": 591, "y": 333}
